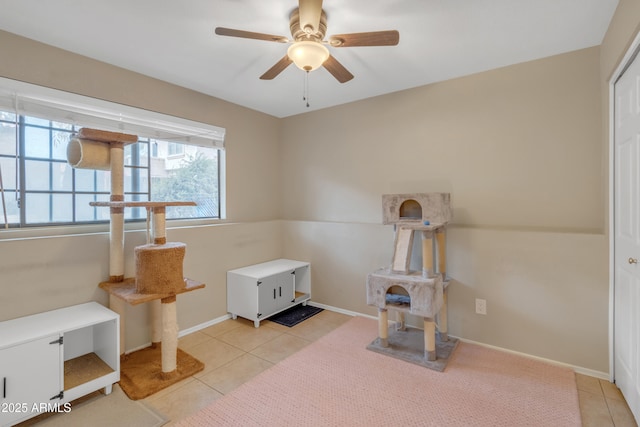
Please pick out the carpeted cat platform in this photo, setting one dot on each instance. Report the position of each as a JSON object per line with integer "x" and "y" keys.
{"x": 295, "y": 315}
{"x": 409, "y": 346}
{"x": 141, "y": 371}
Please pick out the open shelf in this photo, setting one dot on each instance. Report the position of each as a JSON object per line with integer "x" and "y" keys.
{"x": 83, "y": 369}
{"x": 58, "y": 356}
{"x": 301, "y": 296}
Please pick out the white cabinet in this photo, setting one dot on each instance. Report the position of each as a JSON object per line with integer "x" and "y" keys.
{"x": 52, "y": 358}
{"x": 262, "y": 290}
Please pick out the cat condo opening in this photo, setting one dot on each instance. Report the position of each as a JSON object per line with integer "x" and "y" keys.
{"x": 410, "y": 210}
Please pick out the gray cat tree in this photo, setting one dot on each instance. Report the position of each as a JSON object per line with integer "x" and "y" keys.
{"x": 405, "y": 291}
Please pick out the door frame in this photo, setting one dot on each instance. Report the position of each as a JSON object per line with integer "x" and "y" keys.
{"x": 632, "y": 51}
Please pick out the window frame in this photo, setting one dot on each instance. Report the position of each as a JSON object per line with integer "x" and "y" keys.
{"x": 15, "y": 92}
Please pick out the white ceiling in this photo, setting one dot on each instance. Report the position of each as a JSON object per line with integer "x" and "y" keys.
{"x": 174, "y": 41}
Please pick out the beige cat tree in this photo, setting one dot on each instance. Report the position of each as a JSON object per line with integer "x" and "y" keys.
{"x": 159, "y": 265}
{"x": 421, "y": 293}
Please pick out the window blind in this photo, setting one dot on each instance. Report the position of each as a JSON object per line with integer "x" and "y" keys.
{"x": 38, "y": 101}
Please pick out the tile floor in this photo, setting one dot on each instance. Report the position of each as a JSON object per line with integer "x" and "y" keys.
{"x": 602, "y": 404}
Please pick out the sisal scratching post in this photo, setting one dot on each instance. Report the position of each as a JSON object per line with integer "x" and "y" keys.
{"x": 383, "y": 327}
{"x": 169, "y": 335}
{"x": 442, "y": 318}
{"x": 156, "y": 322}
{"x": 429, "y": 339}
{"x": 442, "y": 252}
{"x": 442, "y": 270}
{"x": 159, "y": 228}
{"x": 400, "y": 319}
{"x": 116, "y": 251}
{"x": 427, "y": 271}
{"x": 427, "y": 253}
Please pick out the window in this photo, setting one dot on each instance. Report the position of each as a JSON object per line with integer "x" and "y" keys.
{"x": 41, "y": 188}
{"x": 174, "y": 159}
{"x": 176, "y": 149}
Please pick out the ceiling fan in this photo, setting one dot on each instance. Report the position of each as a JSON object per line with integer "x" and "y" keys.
{"x": 308, "y": 24}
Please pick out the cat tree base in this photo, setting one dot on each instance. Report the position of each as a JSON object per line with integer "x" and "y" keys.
{"x": 408, "y": 345}
{"x": 151, "y": 369}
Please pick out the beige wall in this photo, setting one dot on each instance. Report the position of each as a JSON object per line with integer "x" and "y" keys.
{"x": 622, "y": 30}
{"x": 47, "y": 273}
{"x": 43, "y": 274}
{"x": 519, "y": 149}
{"x": 254, "y": 192}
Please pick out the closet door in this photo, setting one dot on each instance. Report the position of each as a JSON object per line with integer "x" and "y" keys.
{"x": 627, "y": 236}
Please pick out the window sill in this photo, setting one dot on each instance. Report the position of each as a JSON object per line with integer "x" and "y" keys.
{"x": 88, "y": 229}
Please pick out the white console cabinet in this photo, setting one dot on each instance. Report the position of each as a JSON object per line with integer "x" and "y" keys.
{"x": 52, "y": 358}
{"x": 258, "y": 291}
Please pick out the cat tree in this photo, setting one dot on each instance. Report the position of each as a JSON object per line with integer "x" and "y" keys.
{"x": 159, "y": 264}
{"x": 421, "y": 293}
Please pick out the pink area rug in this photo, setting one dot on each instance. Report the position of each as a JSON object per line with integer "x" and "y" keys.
{"x": 335, "y": 381}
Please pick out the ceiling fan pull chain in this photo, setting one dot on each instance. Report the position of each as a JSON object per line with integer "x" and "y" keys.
{"x": 305, "y": 95}
{"x": 304, "y": 87}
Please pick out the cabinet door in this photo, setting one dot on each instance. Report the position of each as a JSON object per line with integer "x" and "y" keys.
{"x": 285, "y": 284}
{"x": 30, "y": 375}
{"x": 268, "y": 300}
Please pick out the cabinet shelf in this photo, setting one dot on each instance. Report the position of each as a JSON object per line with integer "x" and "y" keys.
{"x": 259, "y": 291}
{"x": 83, "y": 369}
{"x": 301, "y": 296}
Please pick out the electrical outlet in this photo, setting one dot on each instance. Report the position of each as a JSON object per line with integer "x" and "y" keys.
{"x": 481, "y": 306}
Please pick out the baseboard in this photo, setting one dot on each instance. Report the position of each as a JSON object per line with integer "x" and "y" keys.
{"x": 577, "y": 369}
{"x": 339, "y": 310}
{"x": 203, "y": 325}
{"x": 187, "y": 331}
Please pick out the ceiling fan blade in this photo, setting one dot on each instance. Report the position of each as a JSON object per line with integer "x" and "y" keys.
{"x": 277, "y": 68}
{"x": 310, "y": 11}
{"x": 221, "y": 31}
{"x": 337, "y": 70}
{"x": 374, "y": 38}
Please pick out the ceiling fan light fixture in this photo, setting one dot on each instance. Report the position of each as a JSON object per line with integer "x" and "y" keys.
{"x": 308, "y": 55}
